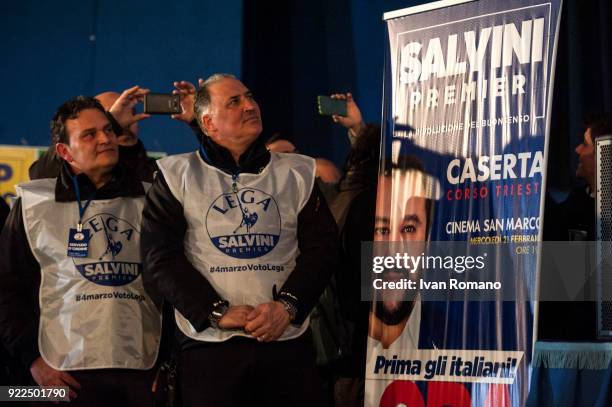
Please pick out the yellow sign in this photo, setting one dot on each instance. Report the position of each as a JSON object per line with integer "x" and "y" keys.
{"x": 14, "y": 164}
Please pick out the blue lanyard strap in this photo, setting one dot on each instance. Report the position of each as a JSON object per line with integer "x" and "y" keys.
{"x": 82, "y": 208}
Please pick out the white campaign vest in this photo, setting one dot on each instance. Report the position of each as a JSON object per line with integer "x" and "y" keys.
{"x": 94, "y": 312}
{"x": 245, "y": 241}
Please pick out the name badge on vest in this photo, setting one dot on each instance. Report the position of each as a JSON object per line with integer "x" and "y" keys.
{"x": 78, "y": 242}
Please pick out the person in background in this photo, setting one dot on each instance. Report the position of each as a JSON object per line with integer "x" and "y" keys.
{"x": 327, "y": 173}
{"x": 574, "y": 219}
{"x": 353, "y": 209}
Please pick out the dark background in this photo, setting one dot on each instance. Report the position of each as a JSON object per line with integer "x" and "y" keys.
{"x": 52, "y": 51}
{"x": 287, "y": 52}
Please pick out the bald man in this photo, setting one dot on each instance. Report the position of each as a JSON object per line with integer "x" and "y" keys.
{"x": 132, "y": 154}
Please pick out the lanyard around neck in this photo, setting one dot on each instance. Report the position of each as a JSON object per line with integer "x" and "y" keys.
{"x": 82, "y": 208}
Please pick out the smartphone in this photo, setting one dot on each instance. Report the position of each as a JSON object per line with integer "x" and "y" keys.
{"x": 329, "y": 106}
{"x": 162, "y": 103}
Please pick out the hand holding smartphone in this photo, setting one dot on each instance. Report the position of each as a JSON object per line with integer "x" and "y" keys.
{"x": 329, "y": 107}
{"x": 162, "y": 103}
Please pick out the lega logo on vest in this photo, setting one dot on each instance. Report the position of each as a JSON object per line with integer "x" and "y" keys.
{"x": 113, "y": 258}
{"x": 245, "y": 224}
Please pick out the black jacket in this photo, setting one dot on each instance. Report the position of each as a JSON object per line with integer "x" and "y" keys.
{"x": 20, "y": 272}
{"x": 354, "y": 208}
{"x": 167, "y": 269}
{"x": 4, "y": 211}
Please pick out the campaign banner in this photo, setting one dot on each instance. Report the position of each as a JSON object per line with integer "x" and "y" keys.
{"x": 466, "y": 112}
{"x": 14, "y": 164}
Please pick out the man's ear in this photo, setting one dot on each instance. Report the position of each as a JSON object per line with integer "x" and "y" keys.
{"x": 208, "y": 124}
{"x": 63, "y": 151}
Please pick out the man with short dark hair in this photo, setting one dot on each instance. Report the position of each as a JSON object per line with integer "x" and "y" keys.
{"x": 72, "y": 304}
{"x": 121, "y": 113}
{"x": 403, "y": 214}
{"x": 240, "y": 241}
